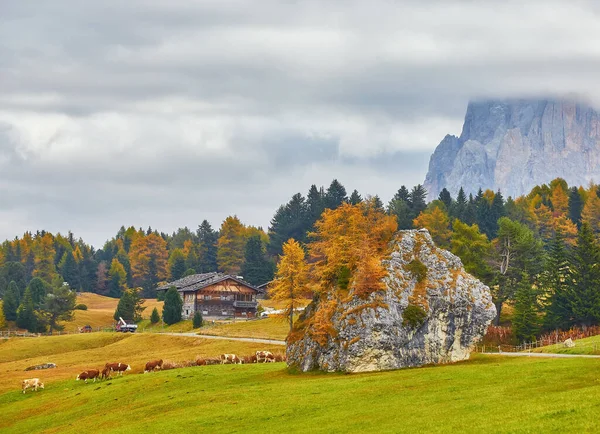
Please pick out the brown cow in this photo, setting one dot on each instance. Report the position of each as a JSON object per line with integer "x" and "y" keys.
{"x": 264, "y": 357}
{"x": 118, "y": 367}
{"x": 88, "y": 375}
{"x": 34, "y": 383}
{"x": 151, "y": 366}
{"x": 106, "y": 373}
{"x": 230, "y": 358}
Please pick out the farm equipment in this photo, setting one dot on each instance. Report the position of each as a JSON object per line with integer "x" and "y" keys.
{"x": 124, "y": 326}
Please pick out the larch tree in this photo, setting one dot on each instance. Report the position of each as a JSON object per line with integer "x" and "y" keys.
{"x": 231, "y": 245}
{"x": 473, "y": 248}
{"x": 117, "y": 279}
{"x": 436, "y": 221}
{"x": 291, "y": 278}
{"x": 148, "y": 257}
{"x": 44, "y": 258}
{"x": 591, "y": 212}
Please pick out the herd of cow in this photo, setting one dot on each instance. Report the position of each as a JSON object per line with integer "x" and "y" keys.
{"x": 120, "y": 368}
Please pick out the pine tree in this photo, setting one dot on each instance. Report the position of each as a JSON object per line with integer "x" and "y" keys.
{"x": 557, "y": 282}
{"x": 291, "y": 279}
{"x": 58, "y": 306}
{"x": 197, "y": 320}
{"x": 446, "y": 198}
{"x": 459, "y": 208}
{"x": 69, "y": 270}
{"x": 585, "y": 298}
{"x": 402, "y": 194}
{"x": 401, "y": 210}
{"x": 130, "y": 306}
{"x": 257, "y": 269}
{"x": 26, "y": 318}
{"x": 496, "y": 212}
{"x": 207, "y": 240}
{"x": 177, "y": 264}
{"x": 10, "y": 302}
{"x": 418, "y": 203}
{"x": 525, "y": 322}
{"x": 171, "y": 313}
{"x": 154, "y": 317}
{"x": 355, "y": 198}
{"x": 335, "y": 195}
{"x": 575, "y": 206}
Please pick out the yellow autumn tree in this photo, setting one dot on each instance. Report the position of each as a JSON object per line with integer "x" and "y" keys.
{"x": 117, "y": 278}
{"x": 231, "y": 245}
{"x": 148, "y": 260}
{"x": 291, "y": 279}
{"x": 591, "y": 211}
{"x": 559, "y": 197}
{"x": 436, "y": 221}
{"x": 44, "y": 253}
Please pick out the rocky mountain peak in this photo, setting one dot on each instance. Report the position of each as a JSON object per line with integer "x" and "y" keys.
{"x": 513, "y": 145}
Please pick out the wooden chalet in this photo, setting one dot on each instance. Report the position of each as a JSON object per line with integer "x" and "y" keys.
{"x": 216, "y": 295}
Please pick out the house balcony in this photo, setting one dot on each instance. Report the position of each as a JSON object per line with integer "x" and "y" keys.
{"x": 246, "y": 304}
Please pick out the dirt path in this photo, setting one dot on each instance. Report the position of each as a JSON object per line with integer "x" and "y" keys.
{"x": 550, "y": 355}
{"x": 227, "y": 338}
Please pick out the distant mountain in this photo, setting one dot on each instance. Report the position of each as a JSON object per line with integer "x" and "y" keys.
{"x": 514, "y": 145}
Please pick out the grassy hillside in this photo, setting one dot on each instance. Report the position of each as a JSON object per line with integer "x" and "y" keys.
{"x": 589, "y": 345}
{"x": 75, "y": 353}
{"x": 487, "y": 394}
{"x": 101, "y": 310}
{"x": 268, "y": 328}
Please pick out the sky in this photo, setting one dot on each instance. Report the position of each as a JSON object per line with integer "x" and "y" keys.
{"x": 163, "y": 113}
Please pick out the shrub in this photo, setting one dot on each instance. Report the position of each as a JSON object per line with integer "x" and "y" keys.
{"x": 81, "y": 306}
{"x": 417, "y": 269}
{"x": 154, "y": 317}
{"x": 197, "y": 320}
{"x": 413, "y": 316}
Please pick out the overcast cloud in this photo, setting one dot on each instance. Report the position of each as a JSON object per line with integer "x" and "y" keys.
{"x": 167, "y": 112}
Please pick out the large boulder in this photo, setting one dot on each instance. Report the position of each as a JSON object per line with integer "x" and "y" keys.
{"x": 431, "y": 311}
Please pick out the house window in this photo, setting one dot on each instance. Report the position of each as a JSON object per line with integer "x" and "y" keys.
{"x": 187, "y": 312}
{"x": 207, "y": 297}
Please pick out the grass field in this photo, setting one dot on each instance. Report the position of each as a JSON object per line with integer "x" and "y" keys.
{"x": 101, "y": 310}
{"x": 589, "y": 345}
{"x": 487, "y": 394}
{"x": 75, "y": 353}
{"x": 268, "y": 328}
{"x": 273, "y": 304}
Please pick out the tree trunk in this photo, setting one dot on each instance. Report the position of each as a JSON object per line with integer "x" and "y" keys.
{"x": 498, "y": 305}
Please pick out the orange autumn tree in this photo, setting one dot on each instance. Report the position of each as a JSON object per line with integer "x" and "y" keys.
{"x": 148, "y": 259}
{"x": 291, "y": 278}
{"x": 436, "y": 221}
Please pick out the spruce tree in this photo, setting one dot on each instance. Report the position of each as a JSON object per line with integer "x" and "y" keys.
{"x": 459, "y": 207}
{"x": 525, "y": 321}
{"x": 315, "y": 205}
{"x": 495, "y": 213}
{"x": 355, "y": 198}
{"x": 290, "y": 221}
{"x": 130, "y": 306}
{"x": 557, "y": 282}
{"x": 418, "y": 200}
{"x": 575, "y": 206}
{"x": 403, "y": 213}
{"x": 177, "y": 265}
{"x": 197, "y": 320}
{"x": 207, "y": 240}
{"x": 26, "y": 318}
{"x": 39, "y": 288}
{"x": 171, "y": 313}
{"x": 335, "y": 196}
{"x": 402, "y": 194}
{"x": 69, "y": 270}
{"x": 10, "y": 302}
{"x": 154, "y": 317}
{"x": 585, "y": 300}
{"x": 257, "y": 269}
{"x": 446, "y": 197}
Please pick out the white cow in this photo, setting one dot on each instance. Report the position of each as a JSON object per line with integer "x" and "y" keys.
{"x": 34, "y": 383}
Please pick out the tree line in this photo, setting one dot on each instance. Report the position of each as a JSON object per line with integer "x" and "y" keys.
{"x": 509, "y": 244}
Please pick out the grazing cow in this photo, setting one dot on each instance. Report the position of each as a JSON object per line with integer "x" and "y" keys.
{"x": 34, "y": 383}
{"x": 230, "y": 358}
{"x": 264, "y": 357}
{"x": 249, "y": 359}
{"x": 151, "y": 366}
{"x": 118, "y": 367}
{"x": 88, "y": 375}
{"x": 106, "y": 373}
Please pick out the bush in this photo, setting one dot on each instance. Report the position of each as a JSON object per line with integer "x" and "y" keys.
{"x": 417, "y": 269}
{"x": 197, "y": 320}
{"x": 154, "y": 317}
{"x": 413, "y": 316}
{"x": 81, "y": 306}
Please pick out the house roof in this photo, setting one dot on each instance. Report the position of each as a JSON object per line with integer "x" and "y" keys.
{"x": 199, "y": 281}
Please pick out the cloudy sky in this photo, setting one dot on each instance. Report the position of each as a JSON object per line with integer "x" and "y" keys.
{"x": 166, "y": 112}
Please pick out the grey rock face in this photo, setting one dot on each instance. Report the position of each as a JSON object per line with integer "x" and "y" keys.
{"x": 518, "y": 144}
{"x": 376, "y": 333}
